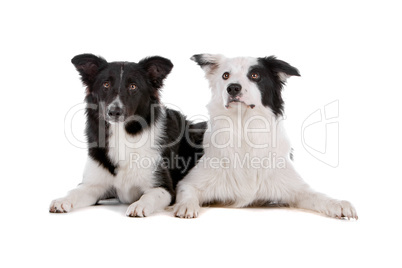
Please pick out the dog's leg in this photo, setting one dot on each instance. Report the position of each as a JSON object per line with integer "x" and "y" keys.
{"x": 152, "y": 200}
{"x": 194, "y": 190}
{"x": 187, "y": 201}
{"x": 294, "y": 191}
{"x": 198, "y": 187}
{"x": 82, "y": 196}
{"x": 319, "y": 202}
{"x": 95, "y": 185}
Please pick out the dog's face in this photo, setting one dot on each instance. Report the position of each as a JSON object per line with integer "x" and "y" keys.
{"x": 122, "y": 89}
{"x": 253, "y": 82}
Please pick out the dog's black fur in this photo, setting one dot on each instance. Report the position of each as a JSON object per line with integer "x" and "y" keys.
{"x": 269, "y": 82}
{"x": 138, "y": 87}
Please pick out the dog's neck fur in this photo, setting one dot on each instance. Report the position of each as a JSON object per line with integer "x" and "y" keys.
{"x": 241, "y": 129}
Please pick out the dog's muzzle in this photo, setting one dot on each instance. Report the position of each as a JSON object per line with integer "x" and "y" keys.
{"x": 115, "y": 113}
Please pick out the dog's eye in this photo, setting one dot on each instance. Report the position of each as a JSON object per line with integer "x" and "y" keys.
{"x": 225, "y": 76}
{"x": 255, "y": 76}
{"x": 132, "y": 87}
{"x": 106, "y": 84}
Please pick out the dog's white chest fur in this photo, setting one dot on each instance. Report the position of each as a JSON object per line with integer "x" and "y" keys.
{"x": 136, "y": 158}
{"x": 244, "y": 151}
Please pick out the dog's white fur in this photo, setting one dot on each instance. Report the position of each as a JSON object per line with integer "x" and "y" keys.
{"x": 237, "y": 132}
{"x": 132, "y": 185}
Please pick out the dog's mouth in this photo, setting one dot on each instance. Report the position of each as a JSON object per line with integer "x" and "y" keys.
{"x": 237, "y": 100}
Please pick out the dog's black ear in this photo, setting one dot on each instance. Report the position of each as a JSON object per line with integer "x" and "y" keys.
{"x": 157, "y": 69}
{"x": 282, "y": 69}
{"x": 88, "y": 65}
{"x": 208, "y": 62}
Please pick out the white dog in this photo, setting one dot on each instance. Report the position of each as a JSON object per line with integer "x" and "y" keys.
{"x": 247, "y": 153}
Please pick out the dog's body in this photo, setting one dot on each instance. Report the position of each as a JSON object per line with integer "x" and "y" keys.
{"x": 137, "y": 149}
{"x": 247, "y": 153}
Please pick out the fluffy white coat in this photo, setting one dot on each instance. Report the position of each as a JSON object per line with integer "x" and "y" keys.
{"x": 239, "y": 138}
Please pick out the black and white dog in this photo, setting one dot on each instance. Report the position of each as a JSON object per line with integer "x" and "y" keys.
{"x": 137, "y": 148}
{"x": 247, "y": 153}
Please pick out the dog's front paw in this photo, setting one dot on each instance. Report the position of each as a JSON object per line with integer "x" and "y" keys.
{"x": 341, "y": 208}
{"x": 61, "y": 205}
{"x": 186, "y": 210}
{"x": 139, "y": 209}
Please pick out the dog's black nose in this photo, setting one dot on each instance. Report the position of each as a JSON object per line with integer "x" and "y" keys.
{"x": 115, "y": 111}
{"x": 234, "y": 89}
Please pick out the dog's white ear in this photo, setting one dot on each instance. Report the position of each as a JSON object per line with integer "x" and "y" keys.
{"x": 208, "y": 62}
{"x": 282, "y": 69}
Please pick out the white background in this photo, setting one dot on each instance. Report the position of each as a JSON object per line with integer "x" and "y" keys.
{"x": 346, "y": 51}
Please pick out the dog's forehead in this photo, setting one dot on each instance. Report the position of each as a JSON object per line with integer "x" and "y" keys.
{"x": 239, "y": 64}
{"x": 113, "y": 68}
{"x": 121, "y": 68}
{"x": 117, "y": 65}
